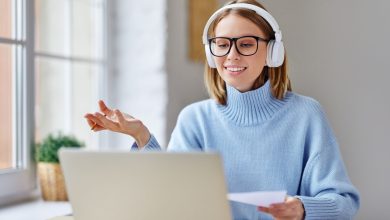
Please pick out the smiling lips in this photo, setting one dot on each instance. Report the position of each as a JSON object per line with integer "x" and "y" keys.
{"x": 235, "y": 70}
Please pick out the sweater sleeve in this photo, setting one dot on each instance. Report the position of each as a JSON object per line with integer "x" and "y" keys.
{"x": 152, "y": 145}
{"x": 326, "y": 191}
{"x": 184, "y": 137}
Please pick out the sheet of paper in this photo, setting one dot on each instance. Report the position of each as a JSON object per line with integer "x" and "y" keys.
{"x": 260, "y": 198}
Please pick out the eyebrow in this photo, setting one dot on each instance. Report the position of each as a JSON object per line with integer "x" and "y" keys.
{"x": 259, "y": 38}
{"x": 242, "y": 35}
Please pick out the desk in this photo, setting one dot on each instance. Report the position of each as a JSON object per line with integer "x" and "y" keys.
{"x": 62, "y": 218}
{"x": 35, "y": 210}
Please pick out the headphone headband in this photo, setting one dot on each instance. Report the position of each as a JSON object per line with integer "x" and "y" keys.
{"x": 263, "y": 13}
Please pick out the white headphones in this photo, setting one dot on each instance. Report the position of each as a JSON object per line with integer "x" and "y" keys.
{"x": 275, "y": 48}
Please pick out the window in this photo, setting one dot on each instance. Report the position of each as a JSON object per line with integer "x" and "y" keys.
{"x": 6, "y": 142}
{"x": 70, "y": 66}
{"x": 52, "y": 71}
{"x": 16, "y": 86}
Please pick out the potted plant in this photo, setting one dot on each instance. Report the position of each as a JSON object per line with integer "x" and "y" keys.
{"x": 49, "y": 170}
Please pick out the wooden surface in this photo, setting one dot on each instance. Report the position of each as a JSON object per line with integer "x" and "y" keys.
{"x": 199, "y": 13}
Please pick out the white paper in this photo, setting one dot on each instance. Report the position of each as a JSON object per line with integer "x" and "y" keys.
{"x": 260, "y": 198}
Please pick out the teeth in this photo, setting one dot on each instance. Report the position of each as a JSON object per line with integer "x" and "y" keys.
{"x": 235, "y": 69}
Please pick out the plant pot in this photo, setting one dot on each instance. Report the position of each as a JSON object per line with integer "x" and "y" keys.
{"x": 52, "y": 182}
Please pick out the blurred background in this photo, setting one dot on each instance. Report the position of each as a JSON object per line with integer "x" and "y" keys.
{"x": 58, "y": 58}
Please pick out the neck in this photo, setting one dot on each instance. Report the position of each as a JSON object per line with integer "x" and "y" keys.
{"x": 251, "y": 107}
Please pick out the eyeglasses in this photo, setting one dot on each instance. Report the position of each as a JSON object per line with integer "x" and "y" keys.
{"x": 246, "y": 45}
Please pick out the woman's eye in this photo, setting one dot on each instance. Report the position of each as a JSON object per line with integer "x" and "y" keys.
{"x": 246, "y": 45}
{"x": 223, "y": 45}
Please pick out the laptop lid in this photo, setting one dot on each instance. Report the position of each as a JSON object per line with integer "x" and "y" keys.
{"x": 145, "y": 185}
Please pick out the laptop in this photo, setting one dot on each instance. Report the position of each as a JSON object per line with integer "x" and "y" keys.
{"x": 145, "y": 185}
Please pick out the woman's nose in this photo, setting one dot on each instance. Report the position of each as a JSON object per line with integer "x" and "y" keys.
{"x": 233, "y": 53}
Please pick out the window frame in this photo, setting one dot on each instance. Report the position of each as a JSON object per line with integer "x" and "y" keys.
{"x": 20, "y": 182}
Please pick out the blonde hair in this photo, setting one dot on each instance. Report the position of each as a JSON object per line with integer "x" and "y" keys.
{"x": 279, "y": 80}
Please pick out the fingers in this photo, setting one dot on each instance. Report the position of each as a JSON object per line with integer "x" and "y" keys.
{"x": 281, "y": 211}
{"x": 94, "y": 123}
{"x": 107, "y": 123}
{"x": 110, "y": 119}
{"x": 274, "y": 211}
{"x": 263, "y": 209}
{"x": 277, "y": 213}
{"x": 120, "y": 116}
{"x": 291, "y": 209}
{"x": 103, "y": 108}
{"x": 91, "y": 123}
{"x": 97, "y": 127}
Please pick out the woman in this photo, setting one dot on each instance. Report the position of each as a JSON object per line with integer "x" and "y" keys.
{"x": 269, "y": 137}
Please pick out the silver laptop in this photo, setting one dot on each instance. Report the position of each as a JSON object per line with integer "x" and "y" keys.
{"x": 145, "y": 185}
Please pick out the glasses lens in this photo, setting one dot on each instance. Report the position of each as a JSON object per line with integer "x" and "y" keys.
{"x": 247, "y": 45}
{"x": 220, "y": 46}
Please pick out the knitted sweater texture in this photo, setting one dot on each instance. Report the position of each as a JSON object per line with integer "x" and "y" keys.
{"x": 270, "y": 144}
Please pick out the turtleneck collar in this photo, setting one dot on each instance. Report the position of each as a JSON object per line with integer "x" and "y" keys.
{"x": 252, "y": 107}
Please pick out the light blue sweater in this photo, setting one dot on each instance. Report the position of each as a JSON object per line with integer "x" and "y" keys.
{"x": 270, "y": 144}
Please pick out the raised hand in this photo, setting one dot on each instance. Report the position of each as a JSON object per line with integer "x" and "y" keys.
{"x": 115, "y": 120}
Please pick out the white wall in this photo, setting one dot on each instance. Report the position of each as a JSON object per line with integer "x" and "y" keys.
{"x": 338, "y": 53}
{"x": 185, "y": 77}
{"x": 152, "y": 82}
{"x": 138, "y": 83}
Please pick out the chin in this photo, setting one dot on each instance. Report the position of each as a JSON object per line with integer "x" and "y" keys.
{"x": 239, "y": 85}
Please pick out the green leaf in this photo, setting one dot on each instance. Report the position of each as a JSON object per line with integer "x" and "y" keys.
{"x": 47, "y": 151}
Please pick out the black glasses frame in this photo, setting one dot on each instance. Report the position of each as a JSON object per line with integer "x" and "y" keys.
{"x": 234, "y": 41}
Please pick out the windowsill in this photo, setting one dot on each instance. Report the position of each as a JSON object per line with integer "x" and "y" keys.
{"x": 35, "y": 210}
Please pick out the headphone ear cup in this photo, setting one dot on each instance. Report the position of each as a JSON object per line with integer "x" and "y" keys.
{"x": 275, "y": 53}
{"x": 270, "y": 45}
{"x": 209, "y": 56}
